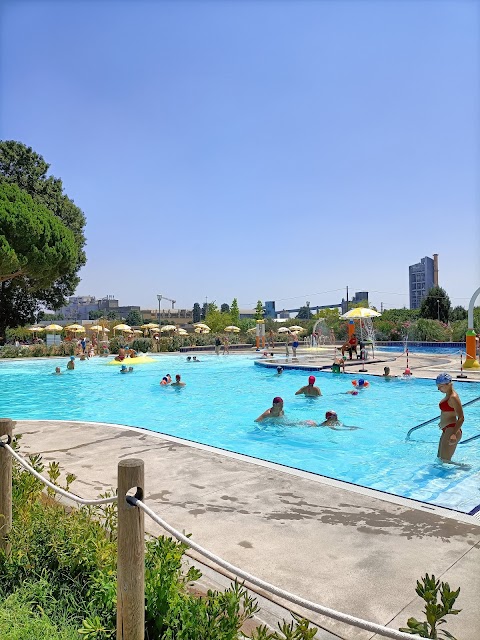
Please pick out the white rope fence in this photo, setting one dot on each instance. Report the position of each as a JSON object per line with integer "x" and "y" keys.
{"x": 57, "y": 489}
{"x": 307, "y": 604}
{"x": 372, "y": 627}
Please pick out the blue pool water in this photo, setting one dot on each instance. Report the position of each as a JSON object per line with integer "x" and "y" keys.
{"x": 422, "y": 349}
{"x": 223, "y": 397}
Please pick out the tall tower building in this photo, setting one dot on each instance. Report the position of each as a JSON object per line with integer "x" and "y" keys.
{"x": 421, "y": 278}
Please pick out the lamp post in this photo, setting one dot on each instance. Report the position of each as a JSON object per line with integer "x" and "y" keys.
{"x": 438, "y": 310}
{"x": 159, "y": 298}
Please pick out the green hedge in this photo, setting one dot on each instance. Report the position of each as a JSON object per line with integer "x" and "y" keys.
{"x": 61, "y": 574}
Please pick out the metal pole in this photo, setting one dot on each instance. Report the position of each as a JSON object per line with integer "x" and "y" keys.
{"x": 462, "y": 375}
{"x": 131, "y": 553}
{"x": 6, "y": 429}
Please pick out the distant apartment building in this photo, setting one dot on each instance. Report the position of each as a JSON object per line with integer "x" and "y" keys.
{"x": 360, "y": 296}
{"x": 79, "y": 307}
{"x": 421, "y": 278}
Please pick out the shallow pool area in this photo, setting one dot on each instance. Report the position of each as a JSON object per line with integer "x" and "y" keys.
{"x": 224, "y": 395}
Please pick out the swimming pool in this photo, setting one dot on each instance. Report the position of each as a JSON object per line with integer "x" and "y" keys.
{"x": 223, "y": 397}
{"x": 434, "y": 348}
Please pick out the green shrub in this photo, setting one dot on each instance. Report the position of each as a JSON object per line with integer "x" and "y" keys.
{"x": 429, "y": 330}
{"x": 21, "y": 618}
{"x": 116, "y": 343}
{"x": 61, "y": 574}
{"x": 429, "y": 589}
{"x": 142, "y": 345}
{"x": 459, "y": 330}
{"x": 8, "y": 351}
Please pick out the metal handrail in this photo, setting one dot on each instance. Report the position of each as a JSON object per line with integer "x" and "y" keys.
{"x": 423, "y": 424}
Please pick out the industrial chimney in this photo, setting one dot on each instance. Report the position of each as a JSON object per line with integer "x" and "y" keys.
{"x": 435, "y": 269}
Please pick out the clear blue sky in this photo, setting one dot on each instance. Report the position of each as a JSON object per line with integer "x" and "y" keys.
{"x": 257, "y": 150}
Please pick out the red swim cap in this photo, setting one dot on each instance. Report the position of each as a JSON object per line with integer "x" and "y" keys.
{"x": 331, "y": 414}
{"x": 277, "y": 399}
{"x": 311, "y": 380}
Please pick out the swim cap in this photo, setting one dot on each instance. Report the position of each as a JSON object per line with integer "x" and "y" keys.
{"x": 331, "y": 414}
{"x": 72, "y": 357}
{"x": 277, "y": 399}
{"x": 354, "y": 393}
{"x": 444, "y": 378}
{"x": 123, "y": 366}
{"x": 311, "y": 380}
{"x": 361, "y": 382}
{"x": 279, "y": 368}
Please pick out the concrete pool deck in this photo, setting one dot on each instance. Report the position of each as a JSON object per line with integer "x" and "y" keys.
{"x": 354, "y": 550}
{"x": 422, "y": 365}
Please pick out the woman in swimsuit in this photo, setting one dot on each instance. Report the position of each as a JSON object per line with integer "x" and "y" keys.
{"x": 451, "y": 418}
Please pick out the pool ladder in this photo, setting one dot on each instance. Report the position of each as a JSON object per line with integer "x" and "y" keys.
{"x": 424, "y": 424}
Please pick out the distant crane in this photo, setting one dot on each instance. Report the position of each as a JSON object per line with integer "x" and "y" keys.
{"x": 160, "y": 298}
{"x": 169, "y": 299}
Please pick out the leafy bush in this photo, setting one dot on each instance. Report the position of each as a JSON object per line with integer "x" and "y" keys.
{"x": 459, "y": 330}
{"x": 61, "y": 575}
{"x": 429, "y": 330}
{"x": 23, "y": 618}
{"x": 429, "y": 589}
{"x": 142, "y": 345}
{"x": 116, "y": 343}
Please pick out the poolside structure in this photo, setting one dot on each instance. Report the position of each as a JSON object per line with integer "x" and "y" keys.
{"x": 471, "y": 346}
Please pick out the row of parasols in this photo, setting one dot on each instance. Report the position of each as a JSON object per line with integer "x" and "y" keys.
{"x": 125, "y": 328}
{"x": 200, "y": 327}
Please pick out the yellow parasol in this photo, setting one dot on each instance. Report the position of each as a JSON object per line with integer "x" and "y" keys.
{"x": 75, "y": 328}
{"x": 137, "y": 331}
{"x": 54, "y": 328}
{"x": 36, "y": 328}
{"x": 359, "y": 313}
{"x": 284, "y": 330}
{"x": 204, "y": 329}
{"x": 121, "y": 327}
{"x": 168, "y": 327}
{"x": 296, "y": 327}
{"x": 232, "y": 329}
{"x": 96, "y": 327}
{"x": 201, "y": 325}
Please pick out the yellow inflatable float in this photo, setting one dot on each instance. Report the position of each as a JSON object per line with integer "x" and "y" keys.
{"x": 131, "y": 362}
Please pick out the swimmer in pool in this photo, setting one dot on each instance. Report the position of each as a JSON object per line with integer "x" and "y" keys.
{"x": 451, "y": 418}
{"x": 310, "y": 389}
{"x": 279, "y": 370}
{"x": 386, "y": 374}
{"x": 71, "y": 363}
{"x": 332, "y": 422}
{"x": 275, "y": 411}
{"x": 359, "y": 385}
{"x": 178, "y": 381}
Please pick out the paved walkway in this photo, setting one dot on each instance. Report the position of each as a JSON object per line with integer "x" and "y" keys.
{"x": 353, "y": 551}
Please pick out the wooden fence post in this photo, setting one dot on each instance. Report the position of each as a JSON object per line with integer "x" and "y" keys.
{"x": 131, "y": 554}
{"x": 6, "y": 429}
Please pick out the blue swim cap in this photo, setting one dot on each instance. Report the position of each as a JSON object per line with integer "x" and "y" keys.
{"x": 123, "y": 366}
{"x": 361, "y": 382}
{"x": 444, "y": 378}
{"x": 72, "y": 357}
